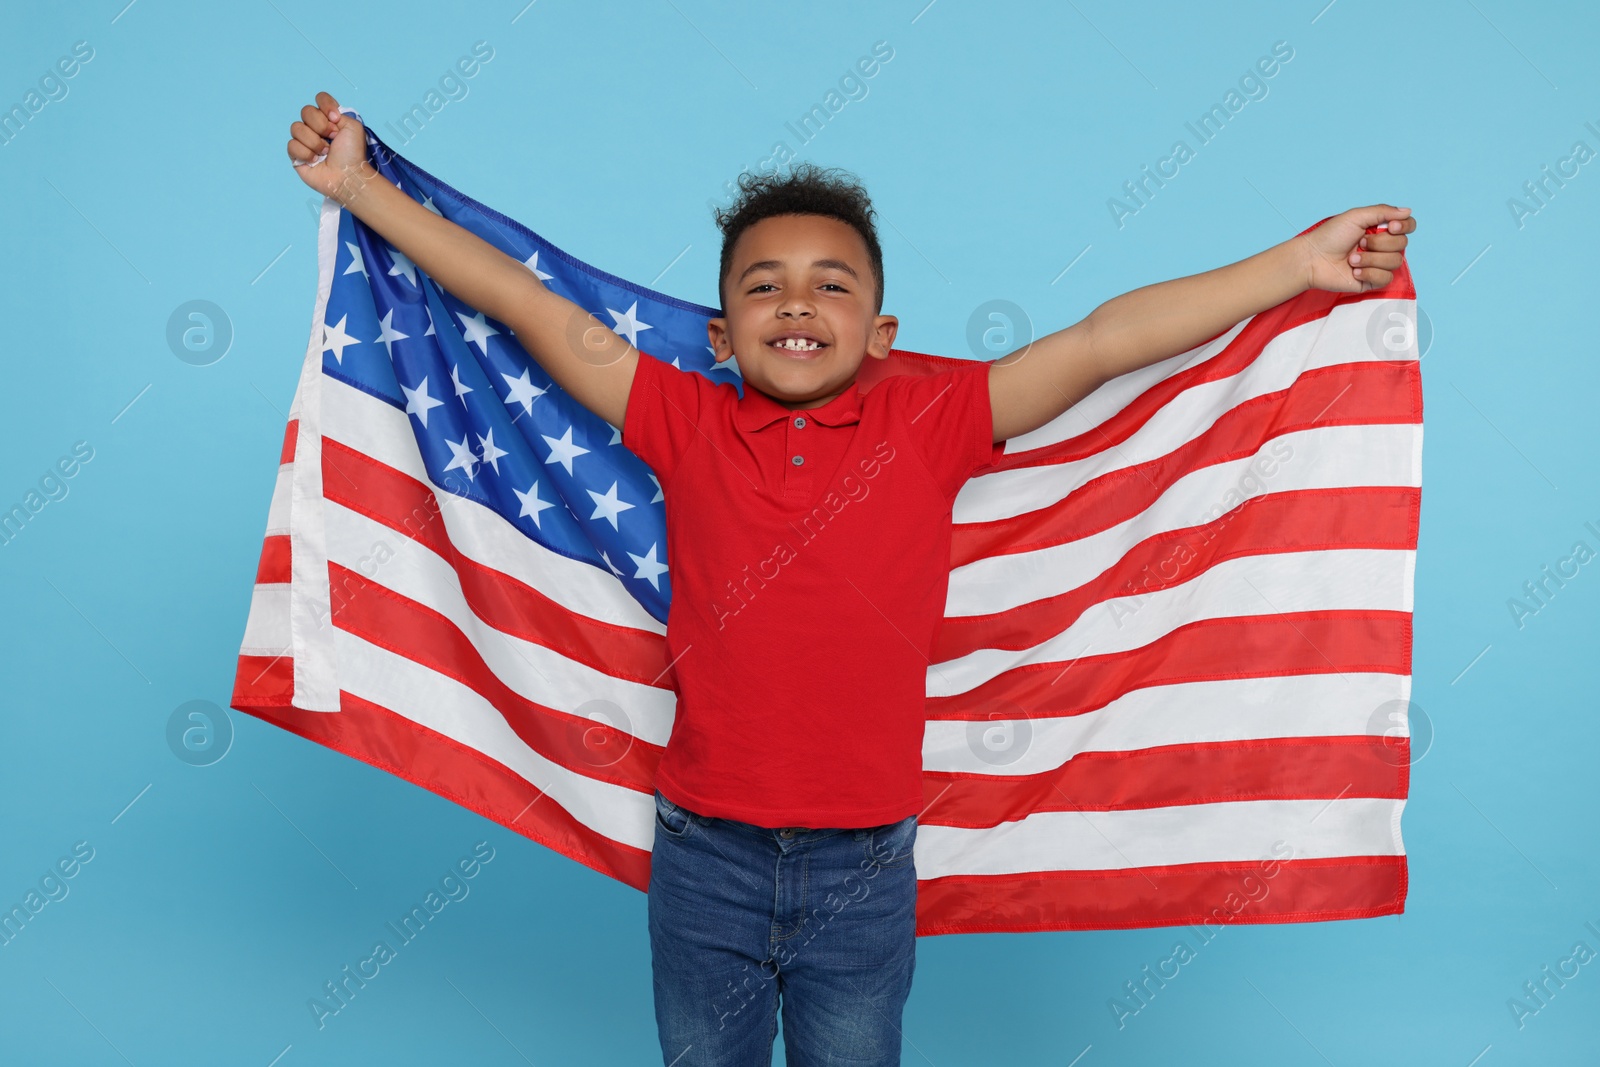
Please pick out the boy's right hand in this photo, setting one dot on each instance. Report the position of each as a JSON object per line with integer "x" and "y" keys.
{"x": 323, "y": 129}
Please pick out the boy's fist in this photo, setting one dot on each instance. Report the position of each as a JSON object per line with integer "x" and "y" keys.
{"x": 1343, "y": 257}
{"x": 326, "y": 147}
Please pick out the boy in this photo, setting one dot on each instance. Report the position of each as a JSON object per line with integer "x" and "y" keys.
{"x": 788, "y": 794}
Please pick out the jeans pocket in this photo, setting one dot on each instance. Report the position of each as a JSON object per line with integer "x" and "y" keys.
{"x": 671, "y": 819}
{"x": 890, "y": 846}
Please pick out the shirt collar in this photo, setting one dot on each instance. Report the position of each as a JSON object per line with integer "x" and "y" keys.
{"x": 756, "y": 409}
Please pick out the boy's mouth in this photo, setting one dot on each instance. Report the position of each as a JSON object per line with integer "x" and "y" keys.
{"x": 798, "y": 345}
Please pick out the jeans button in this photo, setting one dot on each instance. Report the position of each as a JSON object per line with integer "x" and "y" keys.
{"x": 786, "y": 832}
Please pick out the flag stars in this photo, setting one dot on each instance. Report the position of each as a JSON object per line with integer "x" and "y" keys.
{"x": 335, "y": 340}
{"x": 358, "y": 265}
{"x": 478, "y": 331}
{"x": 523, "y": 391}
{"x": 532, "y": 263}
{"x": 419, "y": 403}
{"x": 608, "y": 505}
{"x": 628, "y": 324}
{"x": 563, "y": 451}
{"x": 403, "y": 267}
{"x": 474, "y": 450}
{"x": 390, "y": 335}
{"x": 650, "y": 569}
{"x": 491, "y": 454}
{"x": 464, "y": 458}
{"x": 532, "y": 506}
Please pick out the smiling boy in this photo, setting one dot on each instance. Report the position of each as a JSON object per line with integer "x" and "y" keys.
{"x": 809, "y": 529}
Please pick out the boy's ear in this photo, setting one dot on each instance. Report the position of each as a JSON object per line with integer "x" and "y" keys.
{"x": 884, "y": 327}
{"x": 717, "y": 334}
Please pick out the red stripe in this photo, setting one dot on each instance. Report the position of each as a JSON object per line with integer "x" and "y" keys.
{"x": 391, "y": 742}
{"x": 407, "y": 506}
{"x": 1208, "y": 895}
{"x": 1304, "y": 520}
{"x": 1243, "y": 350}
{"x": 1284, "y": 768}
{"x": 263, "y": 681}
{"x": 1350, "y": 394}
{"x": 290, "y": 433}
{"x": 584, "y": 746}
{"x": 1245, "y": 646}
{"x": 275, "y": 563}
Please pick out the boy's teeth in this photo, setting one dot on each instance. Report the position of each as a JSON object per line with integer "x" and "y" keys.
{"x": 796, "y": 345}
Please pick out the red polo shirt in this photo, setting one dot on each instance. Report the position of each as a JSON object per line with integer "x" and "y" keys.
{"x": 810, "y": 557}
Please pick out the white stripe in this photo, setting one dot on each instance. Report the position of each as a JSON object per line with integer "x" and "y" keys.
{"x": 1338, "y": 339}
{"x": 531, "y": 670}
{"x": 266, "y": 630}
{"x": 1332, "y": 457}
{"x": 316, "y": 671}
{"x": 282, "y": 492}
{"x": 327, "y": 254}
{"x": 1187, "y": 713}
{"x": 1152, "y": 837}
{"x": 1327, "y": 580}
{"x": 1416, "y": 466}
{"x": 445, "y": 706}
{"x": 383, "y": 432}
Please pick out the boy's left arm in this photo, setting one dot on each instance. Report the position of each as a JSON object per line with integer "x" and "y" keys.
{"x": 1033, "y": 385}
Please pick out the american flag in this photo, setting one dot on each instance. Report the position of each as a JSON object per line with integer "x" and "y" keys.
{"x": 1173, "y": 679}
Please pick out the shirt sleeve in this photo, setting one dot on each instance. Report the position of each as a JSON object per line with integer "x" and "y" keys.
{"x": 950, "y": 424}
{"x": 666, "y": 407}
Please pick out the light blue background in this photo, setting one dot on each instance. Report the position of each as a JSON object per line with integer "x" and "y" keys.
{"x": 991, "y": 143}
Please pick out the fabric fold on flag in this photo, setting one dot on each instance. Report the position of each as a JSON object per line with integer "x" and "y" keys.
{"x": 1173, "y": 682}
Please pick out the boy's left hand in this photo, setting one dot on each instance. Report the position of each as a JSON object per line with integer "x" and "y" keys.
{"x": 1343, "y": 257}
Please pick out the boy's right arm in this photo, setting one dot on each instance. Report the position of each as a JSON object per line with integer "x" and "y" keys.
{"x": 582, "y": 355}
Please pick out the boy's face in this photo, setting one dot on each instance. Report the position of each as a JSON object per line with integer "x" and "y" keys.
{"x": 802, "y": 276}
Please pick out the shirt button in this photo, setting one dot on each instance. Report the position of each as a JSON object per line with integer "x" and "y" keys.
{"x": 800, "y": 422}
{"x": 797, "y": 460}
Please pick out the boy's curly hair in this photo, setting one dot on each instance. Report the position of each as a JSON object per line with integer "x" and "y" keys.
{"x": 806, "y": 189}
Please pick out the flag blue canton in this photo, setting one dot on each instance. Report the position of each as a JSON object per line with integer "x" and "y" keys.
{"x": 490, "y": 424}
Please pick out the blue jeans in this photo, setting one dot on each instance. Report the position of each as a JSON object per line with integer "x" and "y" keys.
{"x": 744, "y": 918}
